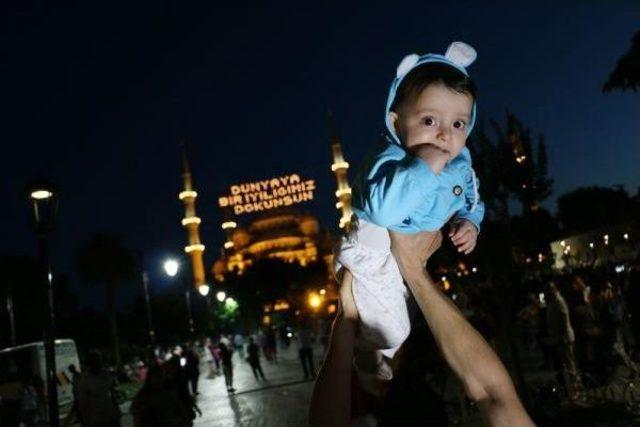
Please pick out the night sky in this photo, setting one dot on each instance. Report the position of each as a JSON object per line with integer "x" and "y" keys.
{"x": 97, "y": 98}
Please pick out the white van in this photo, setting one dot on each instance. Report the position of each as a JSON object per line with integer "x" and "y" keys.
{"x": 17, "y": 363}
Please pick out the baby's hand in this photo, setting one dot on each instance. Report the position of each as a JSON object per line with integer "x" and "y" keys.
{"x": 464, "y": 236}
{"x": 435, "y": 158}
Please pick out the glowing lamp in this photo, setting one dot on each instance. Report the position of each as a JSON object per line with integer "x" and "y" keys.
{"x": 314, "y": 300}
{"x": 204, "y": 290}
{"x": 171, "y": 267}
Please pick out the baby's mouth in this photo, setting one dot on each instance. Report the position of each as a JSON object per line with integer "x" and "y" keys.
{"x": 436, "y": 148}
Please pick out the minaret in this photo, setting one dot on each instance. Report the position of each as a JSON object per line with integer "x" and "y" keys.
{"x": 229, "y": 226}
{"x": 191, "y": 222}
{"x": 340, "y": 168}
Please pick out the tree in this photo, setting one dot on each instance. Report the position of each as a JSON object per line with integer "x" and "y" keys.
{"x": 268, "y": 280}
{"x": 21, "y": 283}
{"x": 626, "y": 74}
{"x": 509, "y": 168}
{"x": 588, "y": 208}
{"x": 521, "y": 173}
{"x": 107, "y": 262}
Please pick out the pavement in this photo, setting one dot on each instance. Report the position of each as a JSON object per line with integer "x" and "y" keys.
{"x": 282, "y": 400}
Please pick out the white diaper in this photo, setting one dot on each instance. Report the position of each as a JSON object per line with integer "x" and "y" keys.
{"x": 378, "y": 289}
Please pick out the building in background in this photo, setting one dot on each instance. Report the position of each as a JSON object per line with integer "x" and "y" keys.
{"x": 605, "y": 246}
{"x": 283, "y": 234}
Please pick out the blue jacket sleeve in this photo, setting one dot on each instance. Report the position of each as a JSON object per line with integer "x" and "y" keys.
{"x": 396, "y": 185}
{"x": 473, "y": 209}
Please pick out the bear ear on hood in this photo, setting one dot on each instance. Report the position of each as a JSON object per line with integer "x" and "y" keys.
{"x": 461, "y": 54}
{"x": 407, "y": 64}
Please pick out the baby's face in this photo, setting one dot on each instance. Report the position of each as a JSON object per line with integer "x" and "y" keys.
{"x": 436, "y": 122}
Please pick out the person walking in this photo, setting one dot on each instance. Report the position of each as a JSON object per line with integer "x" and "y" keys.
{"x": 238, "y": 344}
{"x": 226, "y": 353}
{"x": 272, "y": 348}
{"x": 305, "y": 352}
{"x": 97, "y": 405}
{"x": 253, "y": 358}
{"x": 563, "y": 339}
{"x": 610, "y": 313}
{"x": 192, "y": 368}
{"x": 156, "y": 404}
{"x": 262, "y": 343}
{"x": 176, "y": 379}
{"x": 633, "y": 302}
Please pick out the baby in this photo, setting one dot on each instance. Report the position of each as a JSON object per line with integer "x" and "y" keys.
{"x": 418, "y": 178}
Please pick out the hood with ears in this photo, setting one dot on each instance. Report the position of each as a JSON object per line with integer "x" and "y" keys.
{"x": 459, "y": 55}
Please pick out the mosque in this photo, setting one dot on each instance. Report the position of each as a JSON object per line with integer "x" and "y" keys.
{"x": 279, "y": 230}
{"x": 276, "y": 230}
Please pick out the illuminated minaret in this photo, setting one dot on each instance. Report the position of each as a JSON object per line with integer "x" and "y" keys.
{"x": 340, "y": 168}
{"x": 191, "y": 222}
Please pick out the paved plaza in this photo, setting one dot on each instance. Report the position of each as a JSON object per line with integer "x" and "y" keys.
{"x": 282, "y": 400}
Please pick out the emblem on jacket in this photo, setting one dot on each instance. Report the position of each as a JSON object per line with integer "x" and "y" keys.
{"x": 457, "y": 190}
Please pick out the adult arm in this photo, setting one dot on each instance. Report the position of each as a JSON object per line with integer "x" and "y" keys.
{"x": 472, "y": 360}
{"x": 331, "y": 398}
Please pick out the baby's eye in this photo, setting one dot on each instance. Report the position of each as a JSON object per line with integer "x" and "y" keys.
{"x": 459, "y": 124}
{"x": 429, "y": 121}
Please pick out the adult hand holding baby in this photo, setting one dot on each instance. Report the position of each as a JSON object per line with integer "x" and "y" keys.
{"x": 347, "y": 309}
{"x": 411, "y": 251}
{"x": 473, "y": 361}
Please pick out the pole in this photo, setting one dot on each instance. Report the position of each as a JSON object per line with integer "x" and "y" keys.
{"x": 12, "y": 321}
{"x": 145, "y": 287}
{"x": 187, "y": 295}
{"x": 49, "y": 328}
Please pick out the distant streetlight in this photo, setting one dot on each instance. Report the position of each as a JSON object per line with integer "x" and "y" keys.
{"x": 314, "y": 300}
{"x": 45, "y": 208}
{"x": 220, "y": 296}
{"x": 204, "y": 290}
{"x": 171, "y": 267}
{"x": 230, "y": 304}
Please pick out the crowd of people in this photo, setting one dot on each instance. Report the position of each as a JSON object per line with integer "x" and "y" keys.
{"x": 169, "y": 378}
{"x": 585, "y": 323}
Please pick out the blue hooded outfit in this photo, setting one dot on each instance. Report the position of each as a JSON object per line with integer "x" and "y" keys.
{"x": 397, "y": 191}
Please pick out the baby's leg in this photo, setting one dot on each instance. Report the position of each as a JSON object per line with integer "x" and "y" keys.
{"x": 380, "y": 297}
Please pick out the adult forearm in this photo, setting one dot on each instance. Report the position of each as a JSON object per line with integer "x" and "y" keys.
{"x": 456, "y": 338}
{"x": 483, "y": 375}
{"x": 331, "y": 398}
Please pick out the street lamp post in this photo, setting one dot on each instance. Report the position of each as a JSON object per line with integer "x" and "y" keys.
{"x": 187, "y": 295}
{"x": 147, "y": 301}
{"x": 171, "y": 267}
{"x": 12, "y": 322}
{"x": 45, "y": 206}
